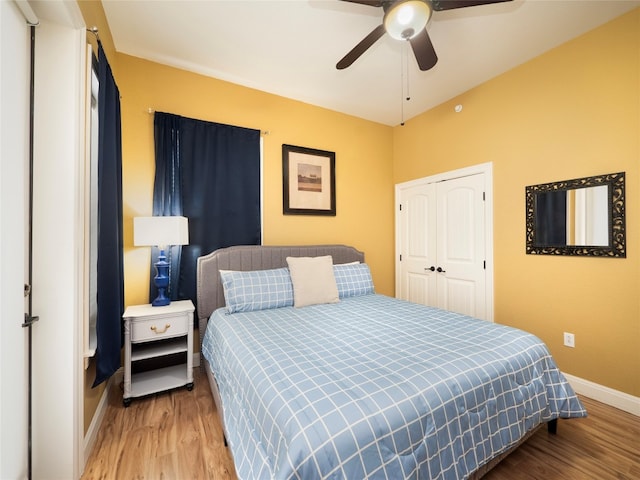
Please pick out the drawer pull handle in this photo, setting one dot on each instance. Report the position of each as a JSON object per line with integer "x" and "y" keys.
{"x": 166, "y": 327}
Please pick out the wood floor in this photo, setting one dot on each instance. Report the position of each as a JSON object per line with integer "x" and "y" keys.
{"x": 177, "y": 435}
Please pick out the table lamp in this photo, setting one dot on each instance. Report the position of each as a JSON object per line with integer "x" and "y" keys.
{"x": 161, "y": 232}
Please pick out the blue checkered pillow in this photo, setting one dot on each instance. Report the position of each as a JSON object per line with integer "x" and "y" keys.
{"x": 353, "y": 279}
{"x": 257, "y": 289}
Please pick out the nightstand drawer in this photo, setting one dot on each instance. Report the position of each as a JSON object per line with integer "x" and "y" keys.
{"x": 143, "y": 330}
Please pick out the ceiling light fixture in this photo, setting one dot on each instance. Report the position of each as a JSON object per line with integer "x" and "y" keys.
{"x": 407, "y": 18}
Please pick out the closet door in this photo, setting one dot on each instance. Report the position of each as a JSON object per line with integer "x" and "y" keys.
{"x": 417, "y": 277}
{"x": 461, "y": 246}
{"x": 441, "y": 244}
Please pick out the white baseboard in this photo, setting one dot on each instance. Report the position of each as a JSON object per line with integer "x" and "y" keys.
{"x": 96, "y": 422}
{"x": 603, "y": 394}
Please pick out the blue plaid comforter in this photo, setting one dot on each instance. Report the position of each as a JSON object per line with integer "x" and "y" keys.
{"x": 375, "y": 387}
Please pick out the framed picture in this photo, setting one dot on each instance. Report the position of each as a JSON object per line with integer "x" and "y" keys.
{"x": 308, "y": 181}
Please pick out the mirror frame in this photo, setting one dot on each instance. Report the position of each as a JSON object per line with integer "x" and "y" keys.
{"x": 616, "y": 209}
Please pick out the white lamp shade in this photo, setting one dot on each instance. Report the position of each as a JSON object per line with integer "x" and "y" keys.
{"x": 160, "y": 231}
{"x": 407, "y": 18}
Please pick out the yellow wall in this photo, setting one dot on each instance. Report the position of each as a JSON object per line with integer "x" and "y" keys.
{"x": 94, "y": 16}
{"x": 364, "y": 191}
{"x": 572, "y": 112}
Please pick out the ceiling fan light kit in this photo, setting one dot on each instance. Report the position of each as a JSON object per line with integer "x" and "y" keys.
{"x": 406, "y": 18}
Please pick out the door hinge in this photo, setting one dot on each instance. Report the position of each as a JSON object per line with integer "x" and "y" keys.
{"x": 483, "y": 196}
{"x": 400, "y": 207}
{"x": 400, "y": 257}
{"x": 484, "y": 264}
{"x": 29, "y": 320}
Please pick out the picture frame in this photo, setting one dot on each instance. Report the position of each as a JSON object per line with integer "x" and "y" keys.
{"x": 308, "y": 181}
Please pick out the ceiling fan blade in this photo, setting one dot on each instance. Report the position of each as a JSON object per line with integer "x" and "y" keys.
{"x": 372, "y": 3}
{"x": 361, "y": 47}
{"x": 439, "y": 5}
{"x": 424, "y": 51}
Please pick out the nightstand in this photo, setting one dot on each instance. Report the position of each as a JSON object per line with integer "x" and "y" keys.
{"x": 152, "y": 334}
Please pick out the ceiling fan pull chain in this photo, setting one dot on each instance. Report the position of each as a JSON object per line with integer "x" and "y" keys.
{"x": 404, "y": 79}
{"x": 406, "y": 67}
{"x": 402, "y": 84}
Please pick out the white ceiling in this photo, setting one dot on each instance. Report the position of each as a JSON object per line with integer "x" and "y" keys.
{"x": 290, "y": 48}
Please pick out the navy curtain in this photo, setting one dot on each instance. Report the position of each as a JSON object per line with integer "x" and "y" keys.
{"x": 209, "y": 173}
{"x": 167, "y": 194}
{"x": 110, "y": 272}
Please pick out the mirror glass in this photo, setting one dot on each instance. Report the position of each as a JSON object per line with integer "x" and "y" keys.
{"x": 583, "y": 216}
{"x": 573, "y": 217}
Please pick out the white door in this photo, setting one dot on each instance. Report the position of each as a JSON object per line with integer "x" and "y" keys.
{"x": 442, "y": 255}
{"x": 14, "y": 155}
{"x": 417, "y": 214}
{"x": 460, "y": 246}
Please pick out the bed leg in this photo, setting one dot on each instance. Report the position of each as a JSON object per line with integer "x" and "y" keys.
{"x": 224, "y": 437}
{"x": 552, "y": 426}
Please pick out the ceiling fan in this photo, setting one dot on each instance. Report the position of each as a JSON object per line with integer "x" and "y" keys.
{"x": 407, "y": 20}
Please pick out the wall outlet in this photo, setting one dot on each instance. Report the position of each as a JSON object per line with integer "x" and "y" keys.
{"x": 569, "y": 340}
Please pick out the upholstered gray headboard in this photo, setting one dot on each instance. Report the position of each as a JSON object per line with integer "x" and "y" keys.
{"x": 210, "y": 295}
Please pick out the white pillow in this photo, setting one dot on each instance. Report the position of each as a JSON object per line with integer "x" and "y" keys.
{"x": 313, "y": 280}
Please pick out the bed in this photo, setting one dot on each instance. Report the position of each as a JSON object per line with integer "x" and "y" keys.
{"x": 361, "y": 385}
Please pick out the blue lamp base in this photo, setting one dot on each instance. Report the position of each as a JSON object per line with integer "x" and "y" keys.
{"x": 161, "y": 281}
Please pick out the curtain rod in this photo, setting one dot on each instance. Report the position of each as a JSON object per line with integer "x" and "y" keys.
{"x": 94, "y": 30}
{"x": 151, "y": 111}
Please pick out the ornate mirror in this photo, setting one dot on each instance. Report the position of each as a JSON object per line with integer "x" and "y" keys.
{"x": 584, "y": 216}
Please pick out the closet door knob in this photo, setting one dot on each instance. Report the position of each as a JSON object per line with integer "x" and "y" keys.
{"x": 440, "y": 270}
{"x": 432, "y": 268}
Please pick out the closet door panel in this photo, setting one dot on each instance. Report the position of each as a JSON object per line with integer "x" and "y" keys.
{"x": 418, "y": 281}
{"x": 460, "y": 245}
{"x": 459, "y": 295}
